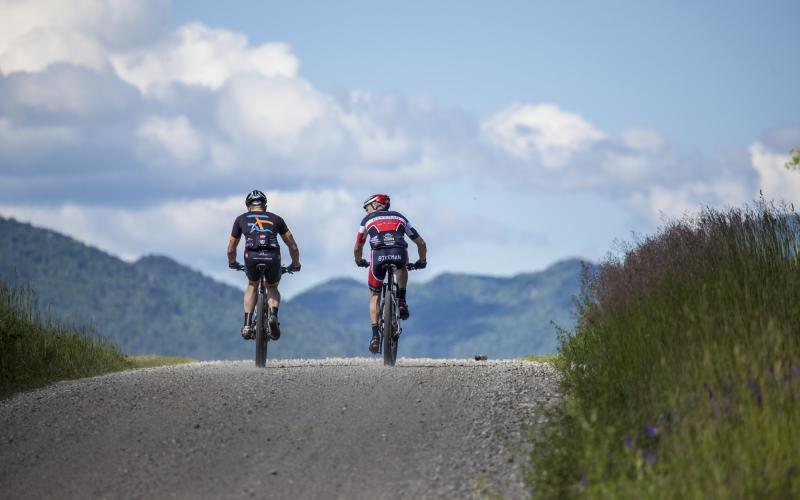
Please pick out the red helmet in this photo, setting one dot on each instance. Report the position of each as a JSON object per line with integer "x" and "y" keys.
{"x": 380, "y": 199}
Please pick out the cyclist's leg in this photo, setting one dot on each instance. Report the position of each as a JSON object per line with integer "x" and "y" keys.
{"x": 376, "y": 277}
{"x": 273, "y": 296}
{"x": 250, "y": 298}
{"x": 377, "y": 273}
{"x": 373, "y": 306}
{"x": 402, "y": 273}
{"x": 402, "y": 281}
{"x": 250, "y": 295}
{"x": 273, "y": 277}
{"x": 252, "y": 285}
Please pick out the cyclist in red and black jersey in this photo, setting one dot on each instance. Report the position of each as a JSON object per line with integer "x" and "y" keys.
{"x": 386, "y": 231}
{"x": 261, "y": 229}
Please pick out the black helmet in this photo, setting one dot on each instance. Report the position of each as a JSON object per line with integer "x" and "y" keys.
{"x": 256, "y": 197}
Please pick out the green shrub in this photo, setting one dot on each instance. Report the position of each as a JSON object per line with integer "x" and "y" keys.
{"x": 35, "y": 350}
{"x": 683, "y": 373}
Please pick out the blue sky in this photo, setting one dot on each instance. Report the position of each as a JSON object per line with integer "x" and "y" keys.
{"x": 707, "y": 74}
{"x": 512, "y": 134}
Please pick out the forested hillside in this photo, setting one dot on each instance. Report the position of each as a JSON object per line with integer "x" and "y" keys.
{"x": 157, "y": 305}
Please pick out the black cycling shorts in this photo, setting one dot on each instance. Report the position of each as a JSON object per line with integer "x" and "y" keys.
{"x": 252, "y": 258}
{"x": 380, "y": 256}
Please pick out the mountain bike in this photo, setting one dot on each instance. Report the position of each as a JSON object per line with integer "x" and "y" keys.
{"x": 262, "y": 318}
{"x": 389, "y": 327}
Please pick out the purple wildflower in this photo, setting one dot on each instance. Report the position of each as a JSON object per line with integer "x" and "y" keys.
{"x": 714, "y": 404}
{"x": 649, "y": 457}
{"x": 651, "y": 431}
{"x": 628, "y": 442}
{"x": 755, "y": 390}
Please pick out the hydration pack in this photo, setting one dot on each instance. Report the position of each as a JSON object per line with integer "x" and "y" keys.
{"x": 261, "y": 242}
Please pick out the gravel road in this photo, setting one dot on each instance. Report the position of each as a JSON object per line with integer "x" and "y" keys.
{"x": 339, "y": 428}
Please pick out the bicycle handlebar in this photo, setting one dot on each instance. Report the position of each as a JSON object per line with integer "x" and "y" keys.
{"x": 284, "y": 269}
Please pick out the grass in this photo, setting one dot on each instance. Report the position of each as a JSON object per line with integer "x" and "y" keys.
{"x": 36, "y": 350}
{"x": 153, "y": 360}
{"x": 682, "y": 375}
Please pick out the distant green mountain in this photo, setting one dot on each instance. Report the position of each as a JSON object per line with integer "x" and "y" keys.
{"x": 154, "y": 305}
{"x": 157, "y": 305}
{"x": 458, "y": 315}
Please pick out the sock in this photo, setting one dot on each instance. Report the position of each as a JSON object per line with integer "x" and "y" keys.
{"x": 374, "y": 330}
{"x": 246, "y": 319}
{"x": 401, "y": 294}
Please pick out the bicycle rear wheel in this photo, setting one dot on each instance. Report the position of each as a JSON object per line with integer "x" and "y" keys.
{"x": 389, "y": 341}
{"x": 261, "y": 332}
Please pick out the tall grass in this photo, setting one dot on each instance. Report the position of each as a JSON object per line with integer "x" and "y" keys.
{"x": 36, "y": 350}
{"x": 682, "y": 375}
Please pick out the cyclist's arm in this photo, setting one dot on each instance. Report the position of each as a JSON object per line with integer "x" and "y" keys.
{"x": 422, "y": 248}
{"x": 358, "y": 250}
{"x": 413, "y": 234}
{"x": 232, "y": 244}
{"x": 294, "y": 252}
{"x": 361, "y": 238}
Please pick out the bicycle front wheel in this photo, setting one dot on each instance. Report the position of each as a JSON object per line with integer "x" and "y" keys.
{"x": 261, "y": 333}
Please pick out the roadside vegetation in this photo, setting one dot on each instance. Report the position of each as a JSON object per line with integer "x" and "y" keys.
{"x": 682, "y": 376}
{"x": 36, "y": 350}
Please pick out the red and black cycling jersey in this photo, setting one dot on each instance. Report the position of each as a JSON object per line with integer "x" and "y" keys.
{"x": 260, "y": 230}
{"x": 386, "y": 229}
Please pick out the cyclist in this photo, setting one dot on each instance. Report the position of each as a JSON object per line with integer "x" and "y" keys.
{"x": 261, "y": 229}
{"x": 386, "y": 231}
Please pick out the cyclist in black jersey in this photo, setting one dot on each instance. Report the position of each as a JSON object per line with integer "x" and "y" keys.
{"x": 261, "y": 229}
{"x": 386, "y": 231}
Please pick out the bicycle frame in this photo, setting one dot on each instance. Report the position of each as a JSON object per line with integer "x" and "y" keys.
{"x": 389, "y": 316}
{"x": 261, "y": 315}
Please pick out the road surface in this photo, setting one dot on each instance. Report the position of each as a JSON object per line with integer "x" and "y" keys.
{"x": 318, "y": 429}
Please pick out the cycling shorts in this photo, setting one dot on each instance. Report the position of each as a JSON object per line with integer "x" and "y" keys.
{"x": 252, "y": 258}
{"x": 380, "y": 256}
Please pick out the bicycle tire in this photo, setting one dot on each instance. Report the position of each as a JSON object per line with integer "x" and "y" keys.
{"x": 389, "y": 342}
{"x": 261, "y": 333}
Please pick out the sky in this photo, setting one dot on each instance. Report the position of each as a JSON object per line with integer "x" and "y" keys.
{"x": 512, "y": 134}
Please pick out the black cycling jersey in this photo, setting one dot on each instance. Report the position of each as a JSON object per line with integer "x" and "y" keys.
{"x": 386, "y": 229}
{"x": 260, "y": 229}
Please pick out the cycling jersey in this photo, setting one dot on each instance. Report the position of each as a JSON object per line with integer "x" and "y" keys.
{"x": 386, "y": 229}
{"x": 261, "y": 230}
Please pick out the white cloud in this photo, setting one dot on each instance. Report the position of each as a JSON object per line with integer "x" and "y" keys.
{"x": 198, "y": 55}
{"x": 775, "y": 181}
{"x": 642, "y": 139}
{"x": 659, "y": 202}
{"x": 541, "y": 132}
{"x": 176, "y": 136}
{"x": 137, "y": 97}
{"x": 195, "y": 232}
{"x": 34, "y": 34}
{"x": 32, "y": 140}
{"x": 41, "y": 46}
{"x": 275, "y": 115}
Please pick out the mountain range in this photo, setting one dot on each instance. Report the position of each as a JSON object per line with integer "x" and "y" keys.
{"x": 157, "y": 305}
